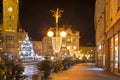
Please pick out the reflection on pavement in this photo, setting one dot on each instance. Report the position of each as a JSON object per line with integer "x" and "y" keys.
{"x": 30, "y": 70}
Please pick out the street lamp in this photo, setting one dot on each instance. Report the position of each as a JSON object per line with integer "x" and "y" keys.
{"x": 56, "y": 33}
{"x": 71, "y": 50}
{"x": 51, "y": 33}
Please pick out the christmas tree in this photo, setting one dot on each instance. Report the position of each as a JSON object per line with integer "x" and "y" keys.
{"x": 26, "y": 50}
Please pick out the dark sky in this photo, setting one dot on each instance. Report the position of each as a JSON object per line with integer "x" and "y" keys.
{"x": 36, "y": 18}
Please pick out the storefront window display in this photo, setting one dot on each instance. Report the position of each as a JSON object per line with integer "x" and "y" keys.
{"x": 116, "y": 51}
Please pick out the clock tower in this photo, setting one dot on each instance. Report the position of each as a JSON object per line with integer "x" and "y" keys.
{"x": 13, "y": 34}
{"x": 10, "y": 15}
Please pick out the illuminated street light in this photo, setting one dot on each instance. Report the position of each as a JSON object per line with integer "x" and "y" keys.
{"x": 68, "y": 47}
{"x": 50, "y": 33}
{"x": 63, "y": 33}
{"x": 57, "y": 14}
{"x": 72, "y": 50}
{"x": 74, "y": 47}
{"x": 56, "y": 33}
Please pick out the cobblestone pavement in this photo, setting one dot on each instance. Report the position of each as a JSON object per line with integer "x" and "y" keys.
{"x": 84, "y": 72}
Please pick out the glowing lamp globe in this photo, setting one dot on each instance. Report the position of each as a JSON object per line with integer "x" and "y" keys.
{"x": 62, "y": 33}
{"x": 68, "y": 47}
{"x": 74, "y": 47}
{"x": 50, "y": 33}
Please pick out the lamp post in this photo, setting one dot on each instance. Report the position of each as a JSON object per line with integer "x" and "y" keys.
{"x": 59, "y": 32}
{"x": 57, "y": 14}
{"x": 71, "y": 50}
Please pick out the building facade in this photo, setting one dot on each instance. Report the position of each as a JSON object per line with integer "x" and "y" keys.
{"x": 71, "y": 41}
{"x": 11, "y": 32}
{"x": 37, "y": 46}
{"x": 87, "y": 54}
{"x": 107, "y": 24}
{"x": 47, "y": 49}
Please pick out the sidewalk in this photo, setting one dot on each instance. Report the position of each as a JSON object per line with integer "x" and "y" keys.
{"x": 85, "y": 71}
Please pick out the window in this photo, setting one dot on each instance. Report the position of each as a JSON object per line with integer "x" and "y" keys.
{"x": 10, "y": 46}
{"x": 9, "y": 38}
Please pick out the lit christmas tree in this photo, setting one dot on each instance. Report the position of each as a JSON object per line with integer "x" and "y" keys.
{"x": 26, "y": 50}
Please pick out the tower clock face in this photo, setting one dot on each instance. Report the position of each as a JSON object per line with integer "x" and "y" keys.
{"x": 10, "y": 9}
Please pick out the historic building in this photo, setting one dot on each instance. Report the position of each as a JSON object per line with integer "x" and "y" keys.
{"x": 47, "y": 49}
{"x": 37, "y": 46}
{"x": 72, "y": 41}
{"x": 100, "y": 30}
{"x": 11, "y": 32}
{"x": 87, "y": 54}
{"x": 69, "y": 45}
{"x": 107, "y": 25}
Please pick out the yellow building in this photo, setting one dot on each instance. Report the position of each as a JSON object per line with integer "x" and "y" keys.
{"x": 11, "y": 32}
{"x": 107, "y": 24}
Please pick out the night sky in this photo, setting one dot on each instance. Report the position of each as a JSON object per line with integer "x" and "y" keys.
{"x": 36, "y": 18}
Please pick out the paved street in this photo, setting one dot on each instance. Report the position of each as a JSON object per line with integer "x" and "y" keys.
{"x": 30, "y": 69}
{"x": 84, "y": 72}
